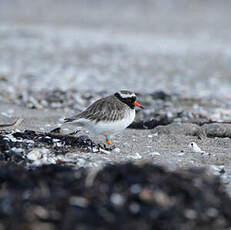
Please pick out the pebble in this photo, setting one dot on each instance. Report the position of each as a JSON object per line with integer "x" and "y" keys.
{"x": 135, "y": 156}
{"x": 71, "y": 156}
{"x": 135, "y": 188}
{"x": 17, "y": 150}
{"x": 65, "y": 159}
{"x": 29, "y": 141}
{"x": 11, "y": 138}
{"x": 217, "y": 169}
{"x": 95, "y": 149}
{"x": 37, "y": 154}
{"x": 49, "y": 159}
{"x": 116, "y": 150}
{"x": 59, "y": 144}
{"x": 134, "y": 207}
{"x": 55, "y": 140}
{"x": 40, "y": 162}
{"x": 117, "y": 199}
{"x": 78, "y": 201}
{"x": 152, "y": 154}
{"x": 41, "y": 212}
{"x": 82, "y": 162}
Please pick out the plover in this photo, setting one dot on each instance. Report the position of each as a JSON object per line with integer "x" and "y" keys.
{"x": 108, "y": 115}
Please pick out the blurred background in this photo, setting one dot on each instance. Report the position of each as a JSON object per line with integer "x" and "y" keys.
{"x": 177, "y": 46}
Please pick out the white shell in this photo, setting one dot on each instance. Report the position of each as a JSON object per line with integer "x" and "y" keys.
{"x": 195, "y": 148}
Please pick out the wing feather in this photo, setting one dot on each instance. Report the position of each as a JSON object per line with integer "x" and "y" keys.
{"x": 104, "y": 109}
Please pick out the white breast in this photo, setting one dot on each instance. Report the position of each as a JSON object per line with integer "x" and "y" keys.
{"x": 107, "y": 128}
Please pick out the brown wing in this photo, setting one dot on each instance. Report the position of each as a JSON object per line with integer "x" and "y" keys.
{"x": 105, "y": 109}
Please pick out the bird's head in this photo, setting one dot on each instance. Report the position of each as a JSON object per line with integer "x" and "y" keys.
{"x": 128, "y": 98}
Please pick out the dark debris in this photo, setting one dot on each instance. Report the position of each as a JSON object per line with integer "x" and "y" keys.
{"x": 14, "y": 146}
{"x": 150, "y": 124}
{"x": 161, "y": 95}
{"x": 119, "y": 197}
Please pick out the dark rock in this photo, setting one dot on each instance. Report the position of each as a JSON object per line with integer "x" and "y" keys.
{"x": 160, "y": 95}
{"x": 56, "y": 95}
{"x": 13, "y": 150}
{"x": 150, "y": 124}
{"x": 217, "y": 130}
{"x": 180, "y": 129}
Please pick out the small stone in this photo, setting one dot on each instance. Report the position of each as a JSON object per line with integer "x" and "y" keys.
{"x": 135, "y": 188}
{"x": 55, "y": 140}
{"x": 11, "y": 138}
{"x": 29, "y": 141}
{"x": 217, "y": 169}
{"x": 17, "y": 150}
{"x": 78, "y": 201}
{"x": 134, "y": 207}
{"x": 59, "y": 144}
{"x": 116, "y": 150}
{"x": 41, "y": 212}
{"x": 81, "y": 162}
{"x": 190, "y": 214}
{"x": 152, "y": 154}
{"x": 37, "y": 154}
{"x": 212, "y": 212}
{"x": 117, "y": 199}
{"x": 135, "y": 156}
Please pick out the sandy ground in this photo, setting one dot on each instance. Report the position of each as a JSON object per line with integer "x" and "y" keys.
{"x": 169, "y": 149}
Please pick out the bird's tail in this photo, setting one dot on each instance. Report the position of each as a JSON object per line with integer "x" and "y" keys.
{"x": 71, "y": 119}
{"x": 68, "y": 120}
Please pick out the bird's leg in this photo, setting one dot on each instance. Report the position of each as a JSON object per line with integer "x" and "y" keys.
{"x": 108, "y": 140}
{"x": 111, "y": 147}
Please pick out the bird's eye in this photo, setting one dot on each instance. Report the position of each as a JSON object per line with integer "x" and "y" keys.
{"x": 192, "y": 144}
{"x": 128, "y": 100}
